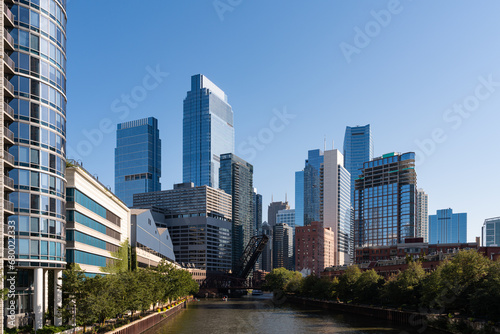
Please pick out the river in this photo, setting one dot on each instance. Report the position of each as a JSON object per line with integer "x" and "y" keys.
{"x": 262, "y": 315}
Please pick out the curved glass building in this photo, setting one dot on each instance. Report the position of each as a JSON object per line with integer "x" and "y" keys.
{"x": 35, "y": 77}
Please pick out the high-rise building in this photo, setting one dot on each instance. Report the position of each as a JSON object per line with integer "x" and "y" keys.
{"x": 446, "y": 227}
{"x": 283, "y": 246}
{"x": 491, "y": 232}
{"x": 385, "y": 201}
{"x": 34, "y": 142}
{"x": 137, "y": 158}
{"x": 257, "y": 201}
{"x": 314, "y": 248}
{"x": 312, "y": 185}
{"x": 236, "y": 179}
{"x": 207, "y": 132}
{"x": 272, "y": 211}
{"x": 299, "y": 198}
{"x": 286, "y": 217}
{"x": 97, "y": 222}
{"x": 358, "y": 148}
{"x": 267, "y": 253}
{"x": 199, "y": 220}
{"x": 335, "y": 205}
{"x": 422, "y": 216}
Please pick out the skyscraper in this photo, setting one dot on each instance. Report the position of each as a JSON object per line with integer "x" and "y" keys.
{"x": 137, "y": 158}
{"x": 491, "y": 232}
{"x": 446, "y": 227}
{"x": 311, "y": 186}
{"x": 358, "y": 148}
{"x": 207, "y": 132}
{"x": 34, "y": 109}
{"x": 283, "y": 246}
{"x": 257, "y": 201}
{"x": 385, "y": 201}
{"x": 236, "y": 179}
{"x": 335, "y": 205}
{"x": 299, "y": 198}
{"x": 272, "y": 211}
{"x": 422, "y": 217}
{"x": 267, "y": 253}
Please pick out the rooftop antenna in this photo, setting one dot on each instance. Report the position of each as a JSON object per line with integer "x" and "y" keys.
{"x": 286, "y": 200}
{"x": 272, "y": 198}
{"x": 332, "y": 145}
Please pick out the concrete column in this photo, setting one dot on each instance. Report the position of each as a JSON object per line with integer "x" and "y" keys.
{"x": 45, "y": 291}
{"x": 38, "y": 297}
{"x": 57, "y": 297}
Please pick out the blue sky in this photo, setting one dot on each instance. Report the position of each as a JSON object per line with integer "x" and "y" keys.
{"x": 425, "y": 75}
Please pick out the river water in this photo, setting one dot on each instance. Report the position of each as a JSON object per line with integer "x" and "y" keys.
{"x": 263, "y": 315}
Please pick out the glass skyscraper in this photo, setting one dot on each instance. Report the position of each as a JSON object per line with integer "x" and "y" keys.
{"x": 446, "y": 227}
{"x": 385, "y": 201}
{"x": 207, "y": 132}
{"x": 137, "y": 158}
{"x": 236, "y": 179}
{"x": 307, "y": 181}
{"x": 34, "y": 108}
{"x": 299, "y": 198}
{"x": 491, "y": 232}
{"x": 358, "y": 148}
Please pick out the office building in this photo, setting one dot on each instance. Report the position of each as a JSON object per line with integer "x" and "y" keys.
{"x": 422, "y": 216}
{"x": 207, "y": 132}
{"x": 98, "y": 222}
{"x": 137, "y": 158}
{"x": 236, "y": 179}
{"x": 299, "y": 198}
{"x": 385, "y": 201}
{"x": 314, "y": 248}
{"x": 491, "y": 232}
{"x": 283, "y": 246}
{"x": 272, "y": 211}
{"x": 150, "y": 243}
{"x": 199, "y": 220}
{"x": 335, "y": 205}
{"x": 267, "y": 253}
{"x": 286, "y": 217}
{"x": 358, "y": 148}
{"x": 34, "y": 142}
{"x": 257, "y": 202}
{"x": 446, "y": 227}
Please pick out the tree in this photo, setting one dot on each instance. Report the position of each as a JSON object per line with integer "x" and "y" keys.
{"x": 347, "y": 281}
{"x": 367, "y": 287}
{"x": 120, "y": 261}
{"x": 406, "y": 286}
{"x": 485, "y": 302}
{"x": 73, "y": 288}
{"x": 278, "y": 279}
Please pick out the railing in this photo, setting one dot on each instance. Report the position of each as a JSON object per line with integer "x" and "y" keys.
{"x": 8, "y": 85}
{"x": 8, "y": 12}
{"x": 8, "y": 36}
{"x": 8, "y": 157}
{"x": 7, "y": 181}
{"x": 7, "y": 133}
{"x": 8, "y": 109}
{"x": 9, "y": 206}
{"x": 9, "y": 61}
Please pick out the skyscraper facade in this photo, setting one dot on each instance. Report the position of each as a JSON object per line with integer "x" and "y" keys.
{"x": 385, "y": 201}
{"x": 491, "y": 232}
{"x": 422, "y": 217}
{"x": 236, "y": 179}
{"x": 299, "y": 198}
{"x": 311, "y": 186}
{"x": 446, "y": 227}
{"x": 34, "y": 109}
{"x": 272, "y": 211}
{"x": 283, "y": 246}
{"x": 207, "y": 132}
{"x": 286, "y": 217}
{"x": 267, "y": 253}
{"x": 257, "y": 201}
{"x": 335, "y": 205}
{"x": 358, "y": 148}
{"x": 137, "y": 158}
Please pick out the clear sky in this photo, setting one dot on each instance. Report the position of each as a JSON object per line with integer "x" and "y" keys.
{"x": 424, "y": 74}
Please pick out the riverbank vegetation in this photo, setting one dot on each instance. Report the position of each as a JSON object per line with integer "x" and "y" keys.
{"x": 467, "y": 286}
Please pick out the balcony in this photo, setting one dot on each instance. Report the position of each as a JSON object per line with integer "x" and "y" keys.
{"x": 9, "y": 64}
{"x": 8, "y": 183}
{"x": 8, "y": 159}
{"x": 8, "y": 207}
{"x": 8, "y": 112}
{"x": 8, "y": 88}
{"x": 8, "y": 136}
{"x": 8, "y": 40}
{"x": 8, "y": 16}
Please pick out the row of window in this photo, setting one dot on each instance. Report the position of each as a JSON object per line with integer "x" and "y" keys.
{"x": 38, "y": 204}
{"x": 75, "y": 216}
{"x": 76, "y": 256}
{"x": 39, "y": 249}
{"x": 78, "y": 236}
{"x": 34, "y": 66}
{"x": 75, "y": 195}
{"x": 34, "y": 89}
{"x": 34, "y": 135}
{"x": 36, "y": 181}
{"x": 35, "y": 21}
{"x": 35, "y": 158}
{"x": 36, "y": 225}
{"x": 38, "y": 113}
{"x": 50, "y": 7}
